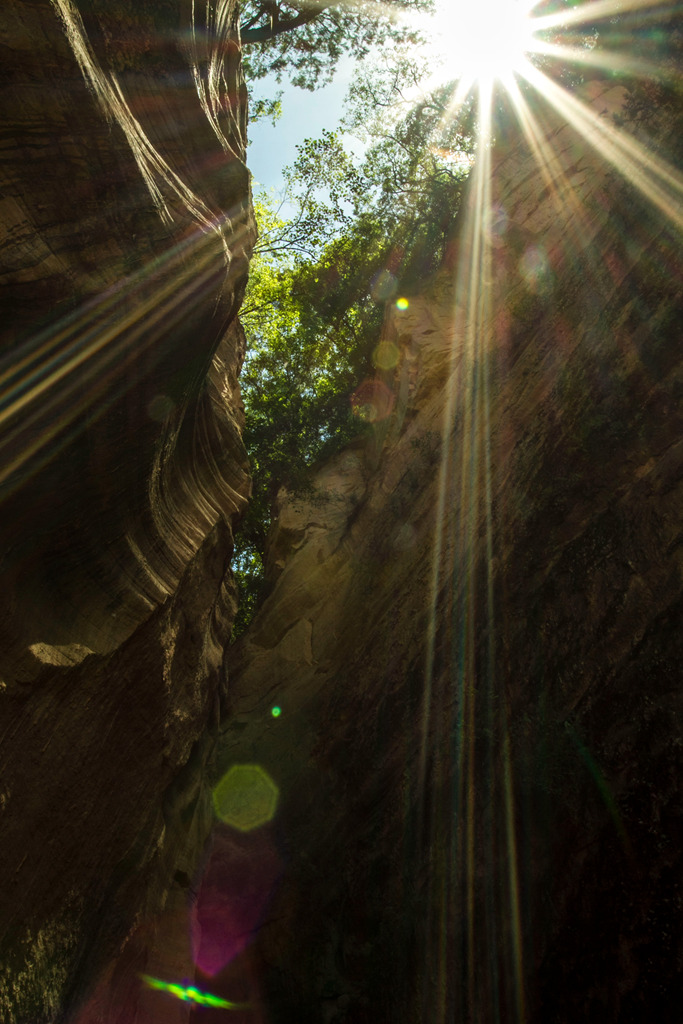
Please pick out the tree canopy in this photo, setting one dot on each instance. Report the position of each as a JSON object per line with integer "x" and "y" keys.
{"x": 305, "y": 40}
{"x": 361, "y": 231}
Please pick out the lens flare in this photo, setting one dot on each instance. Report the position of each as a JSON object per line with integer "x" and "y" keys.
{"x": 246, "y": 797}
{"x": 233, "y": 895}
{"x": 386, "y": 355}
{"x": 383, "y": 286}
{"x": 556, "y": 134}
{"x": 191, "y": 994}
{"x": 372, "y": 401}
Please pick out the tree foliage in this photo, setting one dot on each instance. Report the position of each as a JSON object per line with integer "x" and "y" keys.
{"x": 361, "y": 231}
{"x": 306, "y": 39}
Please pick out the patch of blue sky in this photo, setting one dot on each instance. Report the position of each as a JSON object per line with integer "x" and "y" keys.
{"x": 304, "y": 116}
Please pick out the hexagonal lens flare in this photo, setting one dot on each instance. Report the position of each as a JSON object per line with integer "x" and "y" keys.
{"x": 246, "y": 797}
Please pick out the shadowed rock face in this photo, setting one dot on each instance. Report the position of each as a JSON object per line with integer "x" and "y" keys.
{"x": 473, "y": 634}
{"x": 126, "y": 229}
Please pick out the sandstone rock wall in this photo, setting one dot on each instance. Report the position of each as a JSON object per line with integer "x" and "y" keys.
{"x": 127, "y": 225}
{"x": 126, "y": 228}
{"x": 473, "y": 635}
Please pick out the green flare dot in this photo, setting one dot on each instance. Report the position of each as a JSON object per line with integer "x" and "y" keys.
{"x": 276, "y": 711}
{"x": 402, "y": 304}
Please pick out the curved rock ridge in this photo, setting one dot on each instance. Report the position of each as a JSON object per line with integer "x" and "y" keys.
{"x": 126, "y": 228}
{"x": 472, "y": 640}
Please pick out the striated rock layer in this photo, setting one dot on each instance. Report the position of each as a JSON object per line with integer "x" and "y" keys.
{"x": 473, "y": 636}
{"x": 126, "y": 229}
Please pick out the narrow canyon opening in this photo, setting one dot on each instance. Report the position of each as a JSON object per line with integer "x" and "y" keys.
{"x": 341, "y": 512}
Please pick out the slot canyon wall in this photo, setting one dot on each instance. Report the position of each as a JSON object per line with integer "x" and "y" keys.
{"x": 472, "y": 631}
{"x": 126, "y": 231}
{"x": 473, "y": 641}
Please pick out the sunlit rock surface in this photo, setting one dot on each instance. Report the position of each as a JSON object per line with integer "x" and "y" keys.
{"x": 473, "y": 639}
{"x": 126, "y": 229}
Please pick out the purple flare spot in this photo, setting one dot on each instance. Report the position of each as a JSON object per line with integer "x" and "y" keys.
{"x": 233, "y": 895}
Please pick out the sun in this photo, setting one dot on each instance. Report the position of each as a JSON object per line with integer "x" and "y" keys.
{"x": 481, "y": 41}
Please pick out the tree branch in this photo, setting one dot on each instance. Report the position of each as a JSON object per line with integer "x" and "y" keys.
{"x": 275, "y": 27}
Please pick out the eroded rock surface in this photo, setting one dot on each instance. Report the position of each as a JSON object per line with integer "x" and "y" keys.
{"x": 474, "y": 639}
{"x": 126, "y": 229}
